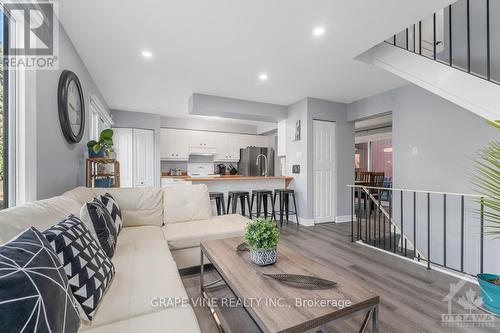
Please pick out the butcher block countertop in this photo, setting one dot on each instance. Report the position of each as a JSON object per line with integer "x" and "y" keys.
{"x": 287, "y": 180}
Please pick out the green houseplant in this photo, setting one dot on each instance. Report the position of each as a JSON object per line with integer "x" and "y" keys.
{"x": 103, "y": 146}
{"x": 262, "y": 237}
{"x": 487, "y": 182}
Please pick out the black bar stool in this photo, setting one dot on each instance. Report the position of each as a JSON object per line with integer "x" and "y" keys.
{"x": 262, "y": 200}
{"x": 232, "y": 202}
{"x": 219, "y": 202}
{"x": 284, "y": 196}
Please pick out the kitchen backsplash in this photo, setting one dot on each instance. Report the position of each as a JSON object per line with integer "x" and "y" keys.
{"x": 167, "y": 165}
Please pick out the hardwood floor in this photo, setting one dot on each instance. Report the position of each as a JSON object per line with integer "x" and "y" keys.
{"x": 411, "y": 296}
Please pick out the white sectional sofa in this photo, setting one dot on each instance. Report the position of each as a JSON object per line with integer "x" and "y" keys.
{"x": 162, "y": 233}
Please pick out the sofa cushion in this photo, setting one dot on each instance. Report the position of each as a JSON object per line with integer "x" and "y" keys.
{"x": 88, "y": 268}
{"x": 144, "y": 271}
{"x": 40, "y": 214}
{"x": 190, "y": 234}
{"x": 179, "y": 320}
{"x": 34, "y": 291}
{"x": 186, "y": 203}
{"x": 139, "y": 206}
{"x": 114, "y": 210}
{"x": 101, "y": 225}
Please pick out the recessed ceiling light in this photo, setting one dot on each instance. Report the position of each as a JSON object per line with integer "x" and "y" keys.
{"x": 263, "y": 76}
{"x": 319, "y": 31}
{"x": 146, "y": 54}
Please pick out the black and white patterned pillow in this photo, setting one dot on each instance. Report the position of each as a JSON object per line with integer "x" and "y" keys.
{"x": 35, "y": 294}
{"x": 96, "y": 217}
{"x": 88, "y": 268}
{"x": 114, "y": 210}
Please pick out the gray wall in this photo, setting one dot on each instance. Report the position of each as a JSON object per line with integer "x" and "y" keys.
{"x": 301, "y": 152}
{"x": 208, "y": 105}
{"x": 207, "y": 125}
{"x": 446, "y": 137}
{"x": 142, "y": 120}
{"x": 60, "y": 165}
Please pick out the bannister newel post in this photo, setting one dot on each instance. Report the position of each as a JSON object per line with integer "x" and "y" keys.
{"x": 482, "y": 237}
{"x": 402, "y": 218}
{"x": 462, "y": 227}
{"x": 444, "y": 230}
{"x": 428, "y": 231}
{"x": 352, "y": 214}
{"x": 415, "y": 222}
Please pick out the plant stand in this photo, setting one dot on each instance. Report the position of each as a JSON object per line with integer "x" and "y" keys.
{"x": 93, "y": 173}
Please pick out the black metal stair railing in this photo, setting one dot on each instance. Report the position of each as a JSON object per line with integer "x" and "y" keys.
{"x": 437, "y": 228}
{"x": 465, "y": 35}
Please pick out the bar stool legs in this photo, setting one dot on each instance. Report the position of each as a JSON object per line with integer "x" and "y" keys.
{"x": 232, "y": 202}
{"x": 263, "y": 197}
{"x": 219, "y": 202}
{"x": 284, "y": 204}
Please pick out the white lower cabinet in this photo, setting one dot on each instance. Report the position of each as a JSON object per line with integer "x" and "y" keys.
{"x": 175, "y": 144}
{"x": 135, "y": 152}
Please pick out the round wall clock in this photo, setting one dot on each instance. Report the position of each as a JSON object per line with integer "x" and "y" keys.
{"x": 71, "y": 106}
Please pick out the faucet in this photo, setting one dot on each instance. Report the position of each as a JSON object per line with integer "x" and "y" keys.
{"x": 265, "y": 163}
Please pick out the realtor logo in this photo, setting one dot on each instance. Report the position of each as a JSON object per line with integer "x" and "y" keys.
{"x": 471, "y": 316}
{"x": 32, "y": 36}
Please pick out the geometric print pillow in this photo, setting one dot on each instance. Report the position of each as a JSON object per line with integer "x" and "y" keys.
{"x": 114, "y": 210}
{"x": 88, "y": 268}
{"x": 35, "y": 295}
{"x": 101, "y": 225}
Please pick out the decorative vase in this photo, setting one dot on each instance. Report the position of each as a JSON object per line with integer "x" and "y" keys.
{"x": 490, "y": 292}
{"x": 263, "y": 257}
{"x": 93, "y": 154}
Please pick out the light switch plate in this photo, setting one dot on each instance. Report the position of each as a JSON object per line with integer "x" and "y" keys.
{"x": 414, "y": 151}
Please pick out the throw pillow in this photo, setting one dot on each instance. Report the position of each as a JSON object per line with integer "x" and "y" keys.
{"x": 35, "y": 295}
{"x": 88, "y": 268}
{"x": 96, "y": 217}
{"x": 114, "y": 210}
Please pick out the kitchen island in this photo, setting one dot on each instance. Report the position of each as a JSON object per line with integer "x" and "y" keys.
{"x": 235, "y": 183}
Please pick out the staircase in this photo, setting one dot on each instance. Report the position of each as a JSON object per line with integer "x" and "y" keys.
{"x": 455, "y": 54}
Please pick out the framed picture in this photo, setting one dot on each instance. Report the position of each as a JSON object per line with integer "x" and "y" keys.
{"x": 297, "y": 131}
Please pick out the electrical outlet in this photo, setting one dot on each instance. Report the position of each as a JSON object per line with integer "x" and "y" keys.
{"x": 296, "y": 168}
{"x": 414, "y": 151}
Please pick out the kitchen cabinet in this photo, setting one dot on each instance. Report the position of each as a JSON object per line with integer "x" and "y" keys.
{"x": 135, "y": 152}
{"x": 175, "y": 144}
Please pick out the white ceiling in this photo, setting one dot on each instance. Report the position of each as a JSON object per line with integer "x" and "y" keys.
{"x": 219, "y": 47}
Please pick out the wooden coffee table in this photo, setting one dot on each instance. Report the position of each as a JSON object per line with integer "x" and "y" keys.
{"x": 282, "y": 308}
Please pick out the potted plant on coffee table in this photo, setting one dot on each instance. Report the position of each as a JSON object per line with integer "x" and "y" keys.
{"x": 262, "y": 237}
{"x": 487, "y": 181}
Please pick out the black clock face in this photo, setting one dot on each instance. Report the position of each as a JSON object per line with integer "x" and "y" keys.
{"x": 71, "y": 107}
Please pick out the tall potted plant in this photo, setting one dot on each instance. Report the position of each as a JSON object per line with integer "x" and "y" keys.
{"x": 262, "y": 237}
{"x": 103, "y": 146}
{"x": 487, "y": 181}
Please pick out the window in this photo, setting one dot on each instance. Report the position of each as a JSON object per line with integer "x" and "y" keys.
{"x": 361, "y": 157}
{"x": 99, "y": 118}
{"x": 374, "y": 156}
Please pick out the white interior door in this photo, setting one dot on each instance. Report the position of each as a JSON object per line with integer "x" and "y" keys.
{"x": 324, "y": 171}
{"x": 143, "y": 150}
{"x": 122, "y": 141}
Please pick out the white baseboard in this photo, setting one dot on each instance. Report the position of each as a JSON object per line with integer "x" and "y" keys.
{"x": 344, "y": 219}
{"x": 302, "y": 221}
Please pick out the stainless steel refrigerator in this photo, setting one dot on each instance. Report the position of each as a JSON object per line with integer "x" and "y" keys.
{"x": 248, "y": 165}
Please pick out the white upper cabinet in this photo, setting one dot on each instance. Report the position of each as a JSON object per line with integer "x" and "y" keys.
{"x": 175, "y": 144}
